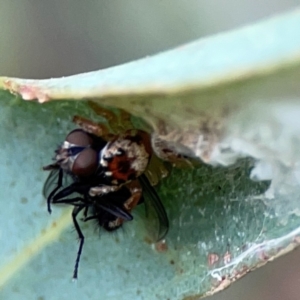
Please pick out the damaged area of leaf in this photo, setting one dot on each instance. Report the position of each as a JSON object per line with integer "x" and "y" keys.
{"x": 264, "y": 252}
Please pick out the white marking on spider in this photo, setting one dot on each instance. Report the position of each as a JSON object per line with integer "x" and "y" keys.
{"x": 103, "y": 163}
{"x": 103, "y": 189}
{"x": 134, "y": 152}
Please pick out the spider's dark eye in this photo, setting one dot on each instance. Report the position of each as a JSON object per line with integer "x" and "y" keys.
{"x": 79, "y": 137}
{"x": 86, "y": 163}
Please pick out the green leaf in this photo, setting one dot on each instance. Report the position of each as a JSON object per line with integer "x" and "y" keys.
{"x": 231, "y": 100}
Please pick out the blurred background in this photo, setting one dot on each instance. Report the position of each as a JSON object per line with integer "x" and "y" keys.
{"x": 42, "y": 39}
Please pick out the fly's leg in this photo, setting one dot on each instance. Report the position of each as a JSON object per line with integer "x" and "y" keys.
{"x": 59, "y": 184}
{"x": 72, "y": 201}
{"x": 90, "y": 218}
{"x": 72, "y": 188}
{"x": 75, "y": 212}
{"x": 85, "y": 212}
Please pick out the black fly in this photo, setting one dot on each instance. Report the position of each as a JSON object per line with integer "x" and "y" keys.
{"x": 77, "y": 170}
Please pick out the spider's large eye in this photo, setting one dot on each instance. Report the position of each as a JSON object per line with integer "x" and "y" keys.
{"x": 86, "y": 163}
{"x": 79, "y": 137}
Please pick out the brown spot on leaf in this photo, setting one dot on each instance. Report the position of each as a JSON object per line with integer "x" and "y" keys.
{"x": 24, "y": 200}
{"x": 213, "y": 258}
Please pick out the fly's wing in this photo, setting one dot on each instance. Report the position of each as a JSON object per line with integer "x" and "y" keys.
{"x": 115, "y": 211}
{"x": 113, "y": 203}
{"x": 52, "y": 183}
{"x": 157, "y": 218}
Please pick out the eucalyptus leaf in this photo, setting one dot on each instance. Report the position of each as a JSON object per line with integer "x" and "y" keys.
{"x": 230, "y": 101}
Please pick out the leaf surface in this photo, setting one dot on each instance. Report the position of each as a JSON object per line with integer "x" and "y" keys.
{"x": 231, "y": 100}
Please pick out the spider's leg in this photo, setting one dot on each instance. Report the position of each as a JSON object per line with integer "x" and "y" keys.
{"x": 156, "y": 170}
{"x": 124, "y": 122}
{"x": 107, "y": 114}
{"x": 163, "y": 151}
{"x": 136, "y": 195}
{"x": 75, "y": 212}
{"x": 92, "y": 127}
{"x": 117, "y": 122}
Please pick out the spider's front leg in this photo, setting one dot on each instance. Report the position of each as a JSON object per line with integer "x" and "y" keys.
{"x": 93, "y": 127}
{"x": 117, "y": 122}
{"x": 105, "y": 113}
{"x": 124, "y": 121}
